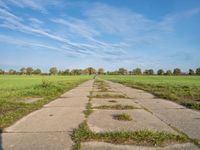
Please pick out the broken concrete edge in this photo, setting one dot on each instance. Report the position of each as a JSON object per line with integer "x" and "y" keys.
{"x": 139, "y": 138}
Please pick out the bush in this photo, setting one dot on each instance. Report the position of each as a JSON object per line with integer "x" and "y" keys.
{"x": 46, "y": 83}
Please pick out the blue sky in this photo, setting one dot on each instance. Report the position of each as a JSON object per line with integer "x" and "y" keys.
{"x": 105, "y": 33}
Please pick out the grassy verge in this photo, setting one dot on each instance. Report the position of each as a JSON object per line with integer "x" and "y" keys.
{"x": 184, "y": 90}
{"x": 143, "y": 137}
{"x": 14, "y": 89}
{"x": 118, "y": 107}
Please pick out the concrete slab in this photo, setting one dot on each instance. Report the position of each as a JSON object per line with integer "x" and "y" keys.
{"x": 109, "y": 102}
{"x": 109, "y": 146}
{"x": 80, "y": 91}
{"x": 37, "y": 141}
{"x": 102, "y": 121}
{"x": 185, "y": 120}
{"x": 69, "y": 102}
{"x": 157, "y": 103}
{"x": 130, "y": 92}
{"x": 49, "y": 119}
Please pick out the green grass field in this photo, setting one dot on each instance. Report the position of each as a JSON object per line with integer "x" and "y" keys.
{"x": 184, "y": 90}
{"x": 16, "y": 89}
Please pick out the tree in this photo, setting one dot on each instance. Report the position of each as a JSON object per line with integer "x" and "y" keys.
{"x": 53, "y": 71}
{"x": 76, "y": 71}
{"x": 91, "y": 70}
{"x": 151, "y": 72}
{"x": 37, "y": 71}
{"x": 85, "y": 71}
{"x": 66, "y": 72}
{"x": 23, "y": 70}
{"x": 168, "y": 72}
{"x": 2, "y": 71}
{"x": 191, "y": 72}
{"x": 148, "y": 72}
{"x": 160, "y": 72}
{"x": 100, "y": 71}
{"x": 177, "y": 71}
{"x": 29, "y": 70}
{"x": 12, "y": 71}
{"x": 137, "y": 71}
{"x": 122, "y": 71}
{"x": 198, "y": 71}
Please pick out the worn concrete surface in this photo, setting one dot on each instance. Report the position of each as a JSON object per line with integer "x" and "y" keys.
{"x": 100, "y": 101}
{"x": 108, "y": 146}
{"x": 130, "y": 92}
{"x": 50, "y": 127}
{"x": 102, "y": 121}
{"x": 157, "y": 103}
{"x": 37, "y": 141}
{"x": 175, "y": 115}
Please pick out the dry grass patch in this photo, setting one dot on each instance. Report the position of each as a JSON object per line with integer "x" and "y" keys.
{"x": 118, "y": 107}
{"x": 112, "y": 101}
{"x": 122, "y": 117}
{"x": 109, "y": 96}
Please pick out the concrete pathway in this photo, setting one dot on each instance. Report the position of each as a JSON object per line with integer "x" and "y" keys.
{"x": 50, "y": 127}
{"x": 183, "y": 119}
{"x": 151, "y": 113}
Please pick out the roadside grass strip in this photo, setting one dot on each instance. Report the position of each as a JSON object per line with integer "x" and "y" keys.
{"x": 16, "y": 89}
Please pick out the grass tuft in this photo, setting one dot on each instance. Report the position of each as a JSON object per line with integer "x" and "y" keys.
{"x": 112, "y": 101}
{"x": 122, "y": 117}
{"x": 88, "y": 110}
{"x": 118, "y": 107}
{"x": 109, "y": 96}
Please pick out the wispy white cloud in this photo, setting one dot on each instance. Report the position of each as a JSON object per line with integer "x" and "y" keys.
{"x": 33, "y": 44}
{"x": 33, "y": 4}
{"x": 37, "y": 5}
{"x": 3, "y": 5}
{"x": 118, "y": 21}
{"x": 4, "y": 14}
{"x": 78, "y": 26}
{"x": 13, "y": 22}
{"x": 34, "y": 22}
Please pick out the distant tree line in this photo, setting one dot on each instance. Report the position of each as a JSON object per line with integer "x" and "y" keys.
{"x": 100, "y": 71}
